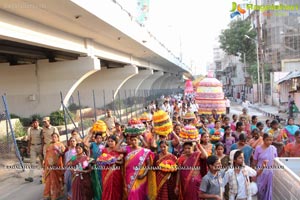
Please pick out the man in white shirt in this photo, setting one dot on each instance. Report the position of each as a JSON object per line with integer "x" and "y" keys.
{"x": 194, "y": 107}
{"x": 227, "y": 104}
{"x": 245, "y": 104}
{"x": 166, "y": 107}
{"x": 238, "y": 177}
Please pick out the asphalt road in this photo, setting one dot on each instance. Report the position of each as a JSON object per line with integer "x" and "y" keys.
{"x": 15, "y": 188}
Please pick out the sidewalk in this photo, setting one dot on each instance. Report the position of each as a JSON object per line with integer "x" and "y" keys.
{"x": 269, "y": 111}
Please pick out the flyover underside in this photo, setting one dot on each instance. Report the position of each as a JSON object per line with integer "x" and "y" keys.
{"x": 35, "y": 89}
{"x": 105, "y": 83}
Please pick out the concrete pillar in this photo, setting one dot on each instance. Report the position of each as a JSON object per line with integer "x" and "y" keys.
{"x": 158, "y": 83}
{"x": 148, "y": 83}
{"x": 35, "y": 89}
{"x": 168, "y": 82}
{"x": 106, "y": 83}
{"x": 135, "y": 82}
{"x": 174, "y": 83}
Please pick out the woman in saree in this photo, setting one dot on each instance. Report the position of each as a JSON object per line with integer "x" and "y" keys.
{"x": 112, "y": 176}
{"x": 81, "y": 177}
{"x": 206, "y": 144}
{"x": 275, "y": 131}
{"x": 192, "y": 167}
{"x": 217, "y": 131}
{"x": 288, "y": 133}
{"x": 68, "y": 174}
{"x": 140, "y": 182}
{"x": 256, "y": 139}
{"x": 293, "y": 149}
{"x": 165, "y": 180}
{"x": 98, "y": 133}
{"x": 263, "y": 161}
{"x": 54, "y": 175}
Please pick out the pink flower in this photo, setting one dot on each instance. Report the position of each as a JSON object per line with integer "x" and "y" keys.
{"x": 85, "y": 164}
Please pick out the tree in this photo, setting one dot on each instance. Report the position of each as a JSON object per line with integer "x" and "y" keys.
{"x": 234, "y": 42}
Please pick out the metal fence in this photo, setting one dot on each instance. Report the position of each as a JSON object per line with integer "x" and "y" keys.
{"x": 124, "y": 104}
{"x": 82, "y": 110}
{"x": 9, "y": 151}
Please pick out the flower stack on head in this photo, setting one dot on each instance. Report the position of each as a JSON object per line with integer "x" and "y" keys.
{"x": 99, "y": 127}
{"x": 135, "y": 127}
{"x": 189, "y": 116}
{"x": 189, "y": 133}
{"x": 145, "y": 117}
{"x": 162, "y": 123}
{"x": 168, "y": 166}
{"x": 106, "y": 159}
{"x": 216, "y": 137}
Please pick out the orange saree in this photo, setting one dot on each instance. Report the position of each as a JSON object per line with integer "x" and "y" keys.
{"x": 54, "y": 173}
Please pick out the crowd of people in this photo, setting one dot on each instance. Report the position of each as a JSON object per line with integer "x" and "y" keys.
{"x": 234, "y": 157}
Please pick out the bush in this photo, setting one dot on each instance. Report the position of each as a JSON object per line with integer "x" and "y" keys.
{"x": 73, "y": 107}
{"x": 19, "y": 130}
{"x": 14, "y": 116}
{"x": 57, "y": 118}
{"x": 26, "y": 121}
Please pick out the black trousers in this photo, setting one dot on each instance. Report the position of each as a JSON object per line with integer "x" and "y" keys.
{"x": 227, "y": 110}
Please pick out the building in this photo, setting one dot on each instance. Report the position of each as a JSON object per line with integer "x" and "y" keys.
{"x": 280, "y": 42}
{"x": 231, "y": 72}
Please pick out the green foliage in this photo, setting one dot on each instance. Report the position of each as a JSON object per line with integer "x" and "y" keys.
{"x": 234, "y": 42}
{"x": 267, "y": 71}
{"x": 57, "y": 118}
{"x": 19, "y": 130}
{"x": 252, "y": 70}
{"x": 73, "y": 107}
{"x": 14, "y": 116}
{"x": 26, "y": 121}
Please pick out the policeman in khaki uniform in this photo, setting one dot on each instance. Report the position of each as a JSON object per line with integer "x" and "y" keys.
{"x": 48, "y": 130}
{"x": 34, "y": 146}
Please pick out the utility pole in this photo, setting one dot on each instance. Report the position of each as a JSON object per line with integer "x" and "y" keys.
{"x": 260, "y": 57}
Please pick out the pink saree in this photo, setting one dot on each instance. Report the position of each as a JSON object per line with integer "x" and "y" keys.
{"x": 135, "y": 163}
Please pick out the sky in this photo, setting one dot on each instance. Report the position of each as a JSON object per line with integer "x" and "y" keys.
{"x": 190, "y": 25}
{"x": 189, "y": 28}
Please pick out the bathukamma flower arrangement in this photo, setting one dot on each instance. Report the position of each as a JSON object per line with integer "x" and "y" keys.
{"x": 162, "y": 123}
{"x": 135, "y": 127}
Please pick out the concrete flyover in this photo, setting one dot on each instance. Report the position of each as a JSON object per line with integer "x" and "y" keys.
{"x": 135, "y": 82}
{"x": 106, "y": 83}
{"x": 77, "y": 46}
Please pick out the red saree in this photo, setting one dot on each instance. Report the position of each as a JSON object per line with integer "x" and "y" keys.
{"x": 54, "y": 179}
{"x": 81, "y": 180}
{"x": 166, "y": 181}
{"x": 112, "y": 180}
{"x": 191, "y": 170}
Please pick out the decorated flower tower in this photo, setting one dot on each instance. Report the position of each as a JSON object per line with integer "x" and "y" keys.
{"x": 189, "y": 89}
{"x": 210, "y": 95}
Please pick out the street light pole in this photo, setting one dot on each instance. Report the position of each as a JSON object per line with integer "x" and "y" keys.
{"x": 259, "y": 92}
